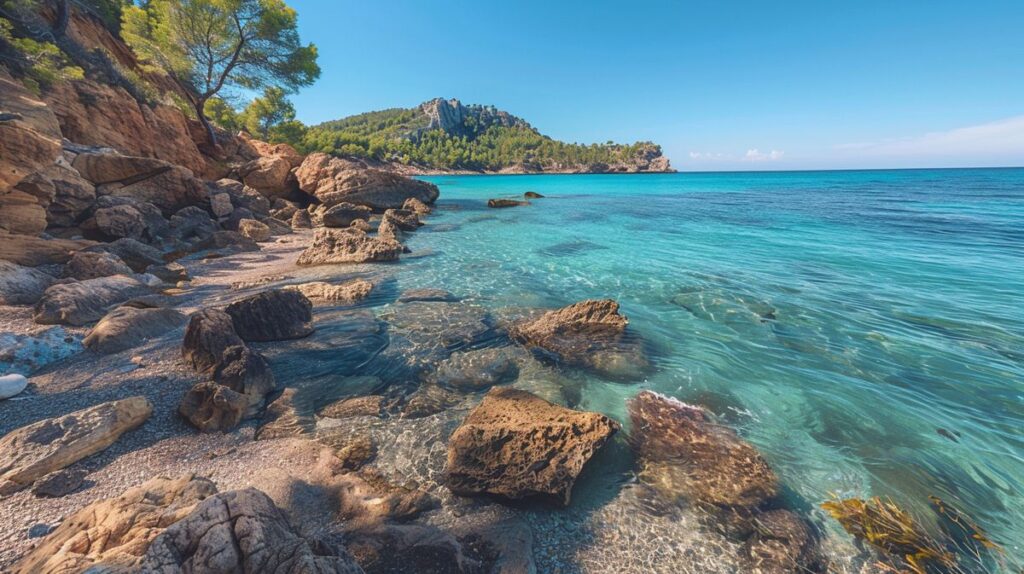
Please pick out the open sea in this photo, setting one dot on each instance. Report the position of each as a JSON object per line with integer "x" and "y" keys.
{"x": 864, "y": 329}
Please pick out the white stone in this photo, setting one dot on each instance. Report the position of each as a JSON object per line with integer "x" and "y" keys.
{"x": 11, "y": 385}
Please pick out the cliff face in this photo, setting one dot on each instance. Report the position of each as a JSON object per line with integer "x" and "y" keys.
{"x": 453, "y": 118}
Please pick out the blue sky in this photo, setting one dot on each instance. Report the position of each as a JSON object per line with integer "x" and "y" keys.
{"x": 720, "y": 84}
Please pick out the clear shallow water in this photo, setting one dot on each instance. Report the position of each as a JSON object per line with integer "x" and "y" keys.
{"x": 864, "y": 329}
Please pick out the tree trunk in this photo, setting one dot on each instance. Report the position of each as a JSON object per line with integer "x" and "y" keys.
{"x": 211, "y": 135}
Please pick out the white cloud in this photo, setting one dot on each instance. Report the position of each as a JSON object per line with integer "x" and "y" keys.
{"x": 998, "y": 139}
{"x": 756, "y": 155}
{"x": 708, "y": 156}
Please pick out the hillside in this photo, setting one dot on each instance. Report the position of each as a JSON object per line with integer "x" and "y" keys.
{"x": 445, "y": 135}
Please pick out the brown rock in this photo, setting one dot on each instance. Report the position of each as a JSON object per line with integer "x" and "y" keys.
{"x": 59, "y": 483}
{"x": 254, "y": 230}
{"x": 476, "y": 370}
{"x": 220, "y": 204}
{"x": 21, "y": 285}
{"x": 100, "y": 168}
{"x": 357, "y": 452}
{"x": 506, "y": 203}
{"x": 685, "y": 455}
{"x": 21, "y": 213}
{"x": 73, "y": 195}
{"x": 404, "y": 220}
{"x": 781, "y": 543}
{"x": 209, "y": 334}
{"x": 518, "y": 445}
{"x": 416, "y": 206}
{"x": 348, "y": 292}
{"x": 245, "y": 371}
{"x": 348, "y": 246}
{"x": 272, "y": 315}
{"x": 343, "y": 214}
{"x": 171, "y": 190}
{"x": 127, "y": 327}
{"x": 212, "y": 407}
{"x": 388, "y": 229}
{"x": 428, "y": 294}
{"x": 92, "y": 265}
{"x": 241, "y": 531}
{"x": 269, "y": 175}
{"x": 532, "y": 195}
{"x": 120, "y": 221}
{"x": 301, "y": 220}
{"x": 86, "y": 301}
{"x": 356, "y": 407}
{"x": 135, "y": 254}
{"x": 29, "y": 134}
{"x": 116, "y": 532}
{"x": 590, "y": 334}
{"x": 334, "y": 180}
{"x": 35, "y": 251}
{"x": 429, "y": 400}
{"x": 40, "y": 448}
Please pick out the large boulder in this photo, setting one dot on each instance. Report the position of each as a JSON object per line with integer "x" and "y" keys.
{"x": 273, "y": 315}
{"x": 348, "y": 245}
{"x": 590, "y": 334}
{"x": 243, "y": 532}
{"x": 115, "y": 217}
{"x": 171, "y": 189}
{"x": 40, "y": 448}
{"x": 85, "y": 301}
{"x": 269, "y": 175}
{"x": 343, "y": 214}
{"x": 685, "y": 455}
{"x": 242, "y": 196}
{"x": 73, "y": 195}
{"x": 21, "y": 285}
{"x": 416, "y": 206}
{"x": 516, "y": 444}
{"x": 404, "y": 219}
{"x": 100, "y": 168}
{"x": 113, "y": 534}
{"x": 93, "y": 264}
{"x": 209, "y": 334}
{"x": 127, "y": 327}
{"x": 333, "y": 180}
{"x": 29, "y": 135}
{"x": 21, "y": 212}
{"x": 212, "y": 407}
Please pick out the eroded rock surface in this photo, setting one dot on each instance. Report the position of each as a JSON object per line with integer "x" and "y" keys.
{"x": 85, "y": 301}
{"x": 273, "y": 315}
{"x": 40, "y": 448}
{"x": 517, "y": 445}
{"x": 21, "y": 285}
{"x": 333, "y": 180}
{"x": 348, "y": 292}
{"x": 348, "y": 245}
{"x": 477, "y": 370}
{"x": 92, "y": 265}
{"x": 127, "y": 327}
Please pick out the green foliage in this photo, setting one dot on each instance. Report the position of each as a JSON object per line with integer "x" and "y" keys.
{"x": 207, "y": 46}
{"x": 46, "y": 63}
{"x": 223, "y": 114}
{"x": 109, "y": 10}
{"x": 266, "y": 112}
{"x": 400, "y": 135}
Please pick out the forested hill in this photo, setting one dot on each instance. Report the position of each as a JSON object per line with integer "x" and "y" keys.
{"x": 442, "y": 135}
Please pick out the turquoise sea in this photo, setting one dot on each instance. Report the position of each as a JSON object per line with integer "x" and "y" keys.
{"x": 864, "y": 329}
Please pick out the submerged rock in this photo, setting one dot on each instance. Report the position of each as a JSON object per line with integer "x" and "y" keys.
{"x": 349, "y": 245}
{"x": 590, "y": 334}
{"x": 781, "y": 543}
{"x": 273, "y": 315}
{"x": 127, "y": 327}
{"x": 85, "y": 301}
{"x": 477, "y": 370}
{"x": 355, "y": 407}
{"x": 517, "y": 445}
{"x": 532, "y": 195}
{"x": 410, "y": 295}
{"x": 40, "y": 448}
{"x": 685, "y": 455}
{"x": 506, "y": 203}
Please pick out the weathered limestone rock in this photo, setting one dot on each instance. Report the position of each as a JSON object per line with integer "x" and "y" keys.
{"x": 388, "y": 229}
{"x": 476, "y": 370}
{"x": 506, "y": 203}
{"x": 269, "y": 175}
{"x": 590, "y": 334}
{"x": 254, "y": 230}
{"x": 120, "y": 221}
{"x": 29, "y": 135}
{"x": 209, "y": 334}
{"x": 135, "y": 254}
{"x": 40, "y": 448}
{"x": 517, "y": 445}
{"x": 127, "y": 327}
{"x": 21, "y": 213}
{"x": 100, "y": 168}
{"x": 343, "y": 214}
{"x": 245, "y": 371}
{"x": 73, "y": 196}
{"x": 21, "y": 285}
{"x": 85, "y": 301}
{"x": 429, "y": 400}
{"x": 348, "y": 246}
{"x": 684, "y": 455}
{"x": 225, "y": 240}
{"x": 240, "y": 531}
{"x": 171, "y": 190}
{"x": 220, "y": 204}
{"x": 242, "y": 196}
{"x": 273, "y": 315}
{"x": 116, "y": 532}
{"x": 92, "y": 265}
{"x": 333, "y": 180}
{"x": 193, "y": 223}
{"x": 212, "y": 407}
{"x": 348, "y": 292}
{"x": 301, "y": 220}
{"x": 32, "y": 251}
{"x": 416, "y": 206}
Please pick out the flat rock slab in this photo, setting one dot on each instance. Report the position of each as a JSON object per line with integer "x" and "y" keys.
{"x": 349, "y": 245}
{"x": 40, "y": 448}
{"x": 127, "y": 327}
{"x": 410, "y": 295}
{"x": 517, "y": 445}
{"x": 21, "y": 285}
{"x": 86, "y": 301}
